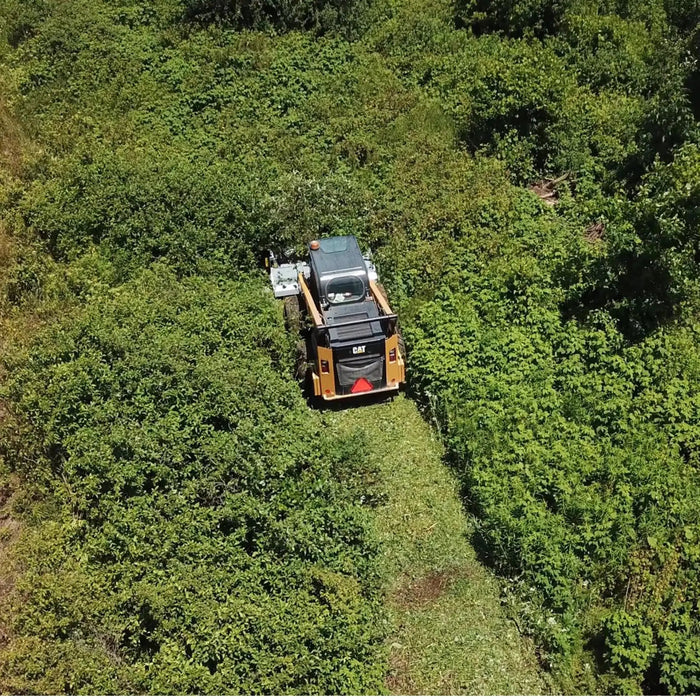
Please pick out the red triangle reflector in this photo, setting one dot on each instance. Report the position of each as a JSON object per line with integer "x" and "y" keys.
{"x": 361, "y": 385}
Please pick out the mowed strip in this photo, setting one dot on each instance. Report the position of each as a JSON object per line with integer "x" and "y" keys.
{"x": 449, "y": 633}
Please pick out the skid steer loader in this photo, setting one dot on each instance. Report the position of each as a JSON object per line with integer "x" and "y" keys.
{"x": 349, "y": 338}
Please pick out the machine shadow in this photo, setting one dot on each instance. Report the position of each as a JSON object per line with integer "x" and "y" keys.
{"x": 353, "y": 402}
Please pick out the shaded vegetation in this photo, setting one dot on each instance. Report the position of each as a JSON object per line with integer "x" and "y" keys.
{"x": 316, "y": 15}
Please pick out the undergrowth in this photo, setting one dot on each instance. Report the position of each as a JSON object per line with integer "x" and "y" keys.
{"x": 552, "y": 337}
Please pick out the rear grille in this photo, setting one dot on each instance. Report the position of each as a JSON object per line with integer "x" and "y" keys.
{"x": 349, "y": 371}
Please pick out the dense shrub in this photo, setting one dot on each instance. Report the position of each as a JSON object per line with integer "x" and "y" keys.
{"x": 318, "y": 15}
{"x": 566, "y": 492}
{"x": 595, "y": 89}
{"x": 546, "y": 17}
{"x": 578, "y": 453}
{"x": 203, "y": 534}
{"x": 668, "y": 211}
{"x": 556, "y": 346}
{"x": 138, "y": 206}
{"x": 568, "y": 439}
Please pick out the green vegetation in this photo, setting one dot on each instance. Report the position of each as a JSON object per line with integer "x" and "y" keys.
{"x": 553, "y": 339}
{"x": 449, "y": 632}
{"x": 197, "y": 531}
{"x": 565, "y": 376}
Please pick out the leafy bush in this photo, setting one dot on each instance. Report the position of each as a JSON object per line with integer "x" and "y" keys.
{"x": 139, "y": 207}
{"x": 204, "y": 534}
{"x": 578, "y": 453}
{"x": 594, "y": 89}
{"x": 668, "y": 213}
{"x": 545, "y": 17}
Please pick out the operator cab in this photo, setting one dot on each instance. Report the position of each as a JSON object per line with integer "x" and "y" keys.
{"x": 340, "y": 283}
{"x": 338, "y": 271}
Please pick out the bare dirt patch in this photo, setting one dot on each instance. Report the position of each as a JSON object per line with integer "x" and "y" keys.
{"x": 421, "y": 592}
{"x": 595, "y": 233}
{"x": 546, "y": 189}
{"x": 11, "y": 142}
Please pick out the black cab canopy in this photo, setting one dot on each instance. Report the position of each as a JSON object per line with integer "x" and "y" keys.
{"x": 338, "y": 267}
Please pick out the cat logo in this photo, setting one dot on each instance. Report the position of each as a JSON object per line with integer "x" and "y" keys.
{"x": 358, "y": 349}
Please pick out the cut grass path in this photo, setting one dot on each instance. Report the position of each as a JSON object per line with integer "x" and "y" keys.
{"x": 449, "y": 633}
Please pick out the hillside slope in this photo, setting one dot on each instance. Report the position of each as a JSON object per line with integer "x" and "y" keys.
{"x": 528, "y": 176}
